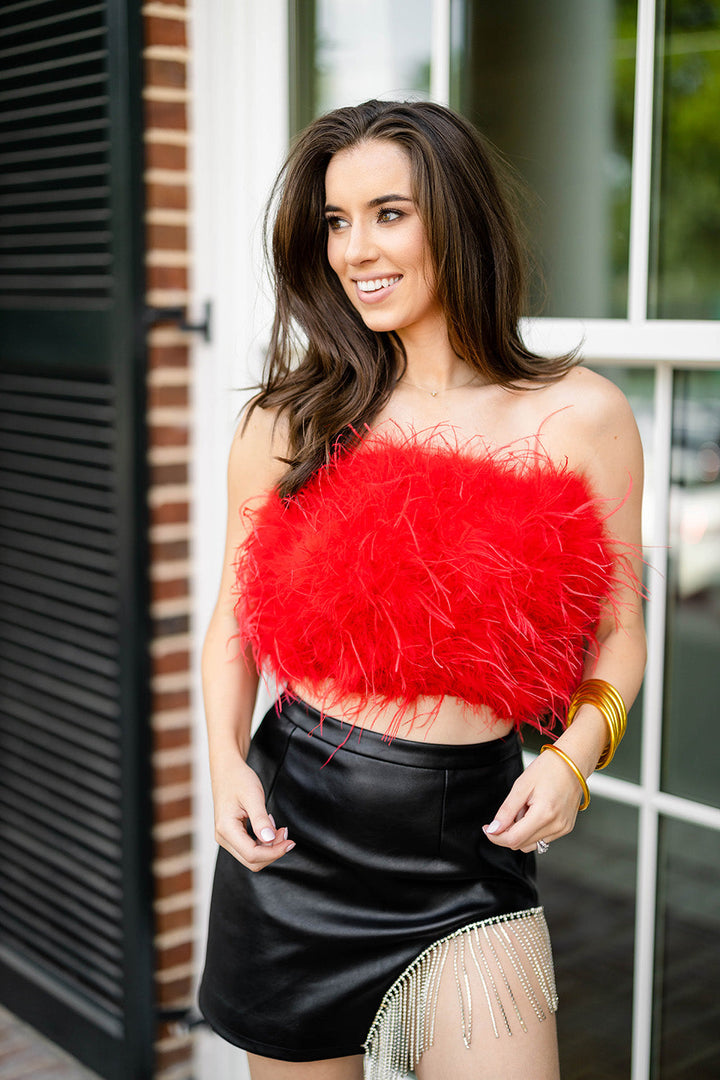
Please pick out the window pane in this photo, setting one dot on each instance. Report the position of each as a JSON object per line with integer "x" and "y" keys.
{"x": 693, "y": 616}
{"x": 366, "y": 50}
{"x": 552, "y": 84}
{"x": 687, "y": 1013}
{"x": 685, "y": 278}
{"x": 587, "y": 885}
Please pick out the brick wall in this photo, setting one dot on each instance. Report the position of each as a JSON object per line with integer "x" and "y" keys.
{"x": 166, "y": 57}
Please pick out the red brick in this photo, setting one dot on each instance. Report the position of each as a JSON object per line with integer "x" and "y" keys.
{"x": 172, "y": 846}
{"x": 176, "y": 992}
{"x": 170, "y": 513}
{"x": 168, "y": 435}
{"x": 167, "y": 277}
{"x": 169, "y": 590}
{"x": 164, "y": 700}
{"x": 172, "y": 624}
{"x": 174, "y": 883}
{"x": 178, "y": 954}
{"x": 173, "y": 356}
{"x": 171, "y": 738}
{"x": 162, "y": 31}
{"x": 167, "y": 775}
{"x": 166, "y": 155}
{"x": 164, "y": 72}
{"x": 165, "y": 115}
{"x": 168, "y": 396}
{"x": 171, "y": 811}
{"x": 165, "y": 237}
{"x": 166, "y": 196}
{"x": 170, "y": 549}
{"x": 166, "y": 921}
{"x": 167, "y": 663}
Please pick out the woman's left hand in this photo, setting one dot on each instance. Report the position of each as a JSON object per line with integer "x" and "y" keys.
{"x": 542, "y": 805}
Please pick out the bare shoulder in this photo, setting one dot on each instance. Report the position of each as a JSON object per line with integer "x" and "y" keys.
{"x": 588, "y": 416}
{"x": 258, "y": 447}
{"x": 590, "y": 396}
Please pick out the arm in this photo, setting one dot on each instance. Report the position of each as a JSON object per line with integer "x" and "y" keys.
{"x": 229, "y": 676}
{"x": 603, "y": 442}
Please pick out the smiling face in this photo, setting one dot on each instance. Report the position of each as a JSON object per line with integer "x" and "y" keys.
{"x": 376, "y": 240}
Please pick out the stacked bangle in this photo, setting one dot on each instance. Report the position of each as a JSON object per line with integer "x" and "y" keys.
{"x": 569, "y": 761}
{"x": 606, "y": 698}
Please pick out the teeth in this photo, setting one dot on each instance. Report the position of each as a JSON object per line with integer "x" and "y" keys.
{"x": 377, "y": 283}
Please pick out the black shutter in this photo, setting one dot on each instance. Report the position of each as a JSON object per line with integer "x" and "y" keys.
{"x": 75, "y": 807}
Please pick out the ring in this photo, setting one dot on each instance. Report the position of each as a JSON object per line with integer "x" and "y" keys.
{"x": 542, "y": 847}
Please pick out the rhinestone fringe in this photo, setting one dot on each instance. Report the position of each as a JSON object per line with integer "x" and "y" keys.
{"x": 404, "y": 1026}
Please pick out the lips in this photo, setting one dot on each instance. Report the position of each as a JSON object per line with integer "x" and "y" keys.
{"x": 372, "y": 290}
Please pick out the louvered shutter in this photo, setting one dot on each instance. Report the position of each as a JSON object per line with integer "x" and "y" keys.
{"x": 75, "y": 812}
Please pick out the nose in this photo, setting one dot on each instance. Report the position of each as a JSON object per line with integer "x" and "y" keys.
{"x": 361, "y": 247}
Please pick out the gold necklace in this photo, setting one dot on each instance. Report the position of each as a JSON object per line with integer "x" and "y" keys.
{"x": 434, "y": 393}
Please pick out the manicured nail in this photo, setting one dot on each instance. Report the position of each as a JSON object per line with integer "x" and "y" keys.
{"x": 273, "y": 821}
{"x": 493, "y": 827}
{"x": 285, "y": 834}
{"x": 290, "y": 846}
{"x": 267, "y": 835}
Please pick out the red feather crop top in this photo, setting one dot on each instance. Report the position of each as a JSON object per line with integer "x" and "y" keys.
{"x": 408, "y": 569}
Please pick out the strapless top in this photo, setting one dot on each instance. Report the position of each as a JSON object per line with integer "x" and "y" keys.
{"x": 411, "y": 568}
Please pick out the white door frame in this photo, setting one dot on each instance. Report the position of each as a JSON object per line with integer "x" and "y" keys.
{"x": 239, "y": 128}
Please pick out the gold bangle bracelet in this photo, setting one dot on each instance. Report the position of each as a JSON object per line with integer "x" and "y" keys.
{"x": 569, "y": 761}
{"x": 610, "y": 704}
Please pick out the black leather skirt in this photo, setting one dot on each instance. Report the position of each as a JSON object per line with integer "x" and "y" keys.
{"x": 390, "y": 860}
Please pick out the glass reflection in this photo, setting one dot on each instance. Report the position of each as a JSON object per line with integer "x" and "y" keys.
{"x": 370, "y": 50}
{"x": 685, "y": 270}
{"x": 552, "y": 85}
{"x": 587, "y": 884}
{"x": 687, "y": 1013}
{"x": 693, "y": 617}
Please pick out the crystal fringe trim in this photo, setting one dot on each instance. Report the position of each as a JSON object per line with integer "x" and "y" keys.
{"x": 404, "y": 1026}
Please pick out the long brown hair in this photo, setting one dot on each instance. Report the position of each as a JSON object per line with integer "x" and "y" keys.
{"x": 325, "y": 370}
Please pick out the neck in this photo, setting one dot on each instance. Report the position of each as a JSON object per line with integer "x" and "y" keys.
{"x": 431, "y": 363}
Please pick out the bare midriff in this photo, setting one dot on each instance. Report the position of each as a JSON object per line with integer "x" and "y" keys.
{"x": 450, "y": 721}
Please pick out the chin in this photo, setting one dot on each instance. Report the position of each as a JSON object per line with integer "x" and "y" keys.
{"x": 380, "y": 322}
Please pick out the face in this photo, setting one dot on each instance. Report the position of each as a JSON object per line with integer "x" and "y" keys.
{"x": 376, "y": 240}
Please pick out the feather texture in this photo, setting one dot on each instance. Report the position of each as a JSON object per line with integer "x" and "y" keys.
{"x": 415, "y": 567}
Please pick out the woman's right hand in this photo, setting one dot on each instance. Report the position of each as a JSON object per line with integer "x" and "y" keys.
{"x": 240, "y": 801}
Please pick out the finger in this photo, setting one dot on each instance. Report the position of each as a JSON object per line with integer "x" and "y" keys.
{"x": 262, "y": 823}
{"x": 254, "y": 855}
{"x": 512, "y": 810}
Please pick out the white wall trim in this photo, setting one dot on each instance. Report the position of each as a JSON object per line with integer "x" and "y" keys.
{"x": 239, "y": 75}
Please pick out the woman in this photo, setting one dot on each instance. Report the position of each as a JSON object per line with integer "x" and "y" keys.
{"x": 432, "y": 540}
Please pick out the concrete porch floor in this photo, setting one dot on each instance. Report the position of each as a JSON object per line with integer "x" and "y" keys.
{"x": 25, "y": 1055}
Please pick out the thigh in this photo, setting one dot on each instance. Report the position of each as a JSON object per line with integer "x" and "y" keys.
{"x": 344, "y": 1068}
{"x": 489, "y": 1025}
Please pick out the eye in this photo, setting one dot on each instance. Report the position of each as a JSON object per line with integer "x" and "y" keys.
{"x": 335, "y": 223}
{"x": 386, "y": 214}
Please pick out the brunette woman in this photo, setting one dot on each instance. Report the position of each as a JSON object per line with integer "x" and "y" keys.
{"x": 432, "y": 542}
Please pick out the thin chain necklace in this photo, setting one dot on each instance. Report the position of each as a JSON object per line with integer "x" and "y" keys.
{"x": 434, "y": 393}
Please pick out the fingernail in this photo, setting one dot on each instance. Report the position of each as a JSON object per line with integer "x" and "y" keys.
{"x": 285, "y": 834}
{"x": 290, "y": 846}
{"x": 493, "y": 827}
{"x": 267, "y": 835}
{"x": 273, "y": 821}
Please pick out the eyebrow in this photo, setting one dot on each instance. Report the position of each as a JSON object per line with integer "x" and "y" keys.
{"x": 393, "y": 197}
